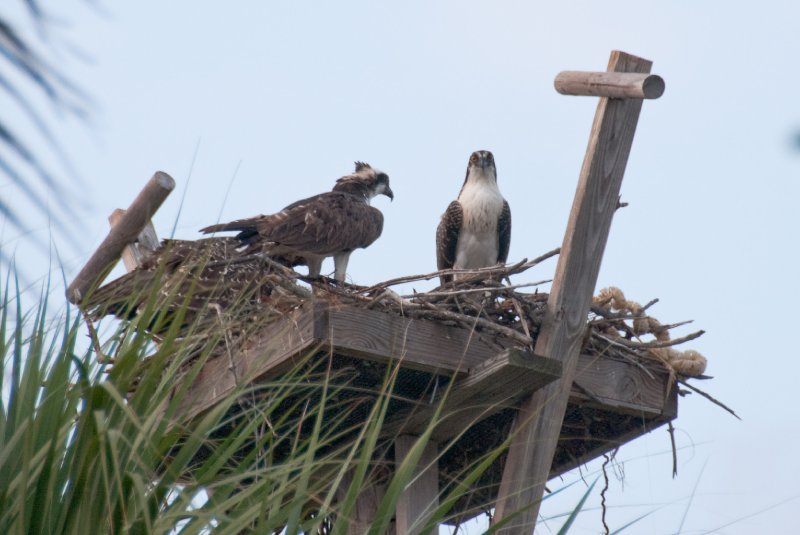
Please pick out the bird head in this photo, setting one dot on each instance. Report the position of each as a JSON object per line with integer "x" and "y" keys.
{"x": 481, "y": 165}
{"x": 365, "y": 181}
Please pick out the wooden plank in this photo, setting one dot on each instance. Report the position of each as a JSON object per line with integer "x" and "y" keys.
{"x": 124, "y": 232}
{"x": 146, "y": 242}
{"x": 421, "y": 497}
{"x": 538, "y": 423}
{"x": 494, "y": 385}
{"x": 622, "y": 386}
{"x": 423, "y": 345}
{"x": 271, "y": 352}
{"x": 609, "y": 84}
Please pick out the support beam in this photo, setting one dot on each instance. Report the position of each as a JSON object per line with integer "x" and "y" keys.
{"x": 366, "y": 506}
{"x": 538, "y": 422}
{"x": 124, "y": 232}
{"x": 134, "y": 253}
{"x": 609, "y": 84}
{"x": 421, "y": 497}
{"x": 491, "y": 386}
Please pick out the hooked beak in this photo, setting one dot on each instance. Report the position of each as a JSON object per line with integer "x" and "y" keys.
{"x": 389, "y": 193}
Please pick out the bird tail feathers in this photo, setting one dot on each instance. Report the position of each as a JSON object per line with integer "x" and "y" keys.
{"x": 242, "y": 225}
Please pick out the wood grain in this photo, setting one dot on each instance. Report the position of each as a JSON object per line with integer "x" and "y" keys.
{"x": 418, "y": 344}
{"x": 538, "y": 423}
{"x": 126, "y": 231}
{"x": 146, "y": 242}
{"x": 609, "y": 84}
{"x": 271, "y": 352}
{"x": 421, "y": 497}
{"x": 498, "y": 383}
{"x": 622, "y": 386}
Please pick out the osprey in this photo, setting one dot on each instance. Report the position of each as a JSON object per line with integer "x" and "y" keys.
{"x": 329, "y": 224}
{"x": 475, "y": 231}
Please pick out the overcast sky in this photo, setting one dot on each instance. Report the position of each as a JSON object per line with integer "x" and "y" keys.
{"x": 276, "y": 100}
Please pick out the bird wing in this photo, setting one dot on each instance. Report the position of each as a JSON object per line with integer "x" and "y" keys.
{"x": 324, "y": 224}
{"x": 447, "y": 237}
{"x": 504, "y": 233}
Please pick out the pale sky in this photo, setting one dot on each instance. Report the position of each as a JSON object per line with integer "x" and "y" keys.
{"x": 291, "y": 94}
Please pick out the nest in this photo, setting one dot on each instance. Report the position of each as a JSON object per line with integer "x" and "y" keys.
{"x": 500, "y": 313}
{"x": 477, "y": 299}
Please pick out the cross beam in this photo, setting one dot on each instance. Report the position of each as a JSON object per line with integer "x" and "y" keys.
{"x": 540, "y": 417}
{"x": 126, "y": 229}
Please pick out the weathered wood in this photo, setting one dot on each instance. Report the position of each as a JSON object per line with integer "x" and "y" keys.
{"x": 491, "y": 386}
{"x": 365, "y": 508}
{"x": 349, "y": 331}
{"x": 622, "y": 386}
{"x": 538, "y": 423}
{"x": 272, "y": 351}
{"x": 610, "y": 84}
{"x": 421, "y": 497}
{"x": 134, "y": 253}
{"x": 124, "y": 232}
{"x": 419, "y": 344}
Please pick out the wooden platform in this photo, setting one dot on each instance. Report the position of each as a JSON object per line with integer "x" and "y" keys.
{"x": 612, "y": 401}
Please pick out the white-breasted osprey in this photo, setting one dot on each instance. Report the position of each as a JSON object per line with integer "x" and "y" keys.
{"x": 475, "y": 231}
{"x": 329, "y": 224}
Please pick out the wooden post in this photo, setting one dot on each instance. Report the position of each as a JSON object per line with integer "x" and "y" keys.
{"x": 134, "y": 253}
{"x": 538, "y": 422}
{"x": 123, "y": 233}
{"x": 421, "y": 496}
{"x": 366, "y": 506}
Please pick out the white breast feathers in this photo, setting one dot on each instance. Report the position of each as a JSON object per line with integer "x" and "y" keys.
{"x": 481, "y": 205}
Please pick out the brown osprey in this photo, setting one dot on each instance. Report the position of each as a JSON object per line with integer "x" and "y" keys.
{"x": 330, "y": 224}
{"x": 475, "y": 231}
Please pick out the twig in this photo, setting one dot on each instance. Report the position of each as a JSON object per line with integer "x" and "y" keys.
{"x": 508, "y": 270}
{"x": 538, "y": 260}
{"x": 523, "y": 320}
{"x": 474, "y": 290}
{"x": 653, "y": 345}
{"x": 102, "y": 358}
{"x": 649, "y": 304}
{"x": 669, "y": 326}
{"x": 671, "y": 431}
{"x": 603, "y": 492}
{"x": 708, "y": 397}
{"x": 468, "y": 320}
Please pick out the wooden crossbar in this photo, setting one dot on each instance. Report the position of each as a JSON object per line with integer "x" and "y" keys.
{"x": 123, "y": 233}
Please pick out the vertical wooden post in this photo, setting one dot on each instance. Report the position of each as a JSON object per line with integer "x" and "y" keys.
{"x": 421, "y": 497}
{"x": 538, "y": 422}
{"x": 365, "y": 508}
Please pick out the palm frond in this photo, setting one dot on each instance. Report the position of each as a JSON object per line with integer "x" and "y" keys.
{"x": 25, "y": 72}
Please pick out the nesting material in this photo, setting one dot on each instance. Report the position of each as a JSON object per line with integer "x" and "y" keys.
{"x": 482, "y": 300}
{"x": 689, "y": 363}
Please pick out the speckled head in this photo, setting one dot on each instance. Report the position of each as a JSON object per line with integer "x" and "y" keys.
{"x": 365, "y": 181}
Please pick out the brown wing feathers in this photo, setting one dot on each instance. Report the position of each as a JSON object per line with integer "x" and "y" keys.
{"x": 323, "y": 225}
{"x": 447, "y": 238}
{"x": 504, "y": 233}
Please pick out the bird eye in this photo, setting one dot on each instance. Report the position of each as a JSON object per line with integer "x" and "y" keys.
{"x": 473, "y": 158}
